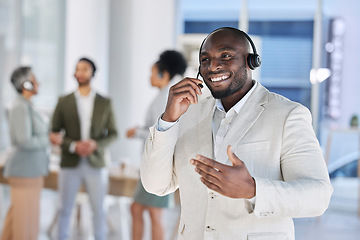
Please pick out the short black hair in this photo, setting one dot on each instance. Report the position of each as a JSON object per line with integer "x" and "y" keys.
{"x": 173, "y": 62}
{"x": 90, "y": 62}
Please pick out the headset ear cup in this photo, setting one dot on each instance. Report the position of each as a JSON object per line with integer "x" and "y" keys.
{"x": 254, "y": 61}
{"x": 257, "y": 60}
{"x": 250, "y": 61}
{"x": 28, "y": 85}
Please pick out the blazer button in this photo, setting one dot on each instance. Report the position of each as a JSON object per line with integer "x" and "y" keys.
{"x": 209, "y": 229}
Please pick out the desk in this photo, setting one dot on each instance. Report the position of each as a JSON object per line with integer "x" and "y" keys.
{"x": 122, "y": 183}
{"x": 122, "y": 180}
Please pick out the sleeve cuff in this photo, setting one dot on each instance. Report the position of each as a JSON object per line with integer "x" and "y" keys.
{"x": 162, "y": 125}
{"x": 252, "y": 201}
{"x": 72, "y": 147}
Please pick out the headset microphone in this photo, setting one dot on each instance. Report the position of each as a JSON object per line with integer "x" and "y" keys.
{"x": 197, "y": 76}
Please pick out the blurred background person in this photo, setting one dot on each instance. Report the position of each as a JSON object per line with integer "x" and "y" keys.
{"x": 88, "y": 123}
{"x": 167, "y": 71}
{"x": 28, "y": 161}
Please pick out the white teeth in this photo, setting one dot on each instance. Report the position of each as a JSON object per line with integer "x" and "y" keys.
{"x": 216, "y": 79}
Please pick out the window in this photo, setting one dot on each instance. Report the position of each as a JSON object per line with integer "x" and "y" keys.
{"x": 286, "y": 54}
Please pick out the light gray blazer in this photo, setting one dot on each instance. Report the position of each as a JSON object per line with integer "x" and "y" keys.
{"x": 274, "y": 138}
{"x": 29, "y": 140}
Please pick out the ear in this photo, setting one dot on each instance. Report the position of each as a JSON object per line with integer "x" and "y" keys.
{"x": 166, "y": 76}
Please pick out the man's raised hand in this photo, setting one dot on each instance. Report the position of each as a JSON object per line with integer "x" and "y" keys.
{"x": 181, "y": 95}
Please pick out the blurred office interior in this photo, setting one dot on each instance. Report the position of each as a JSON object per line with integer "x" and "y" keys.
{"x": 124, "y": 37}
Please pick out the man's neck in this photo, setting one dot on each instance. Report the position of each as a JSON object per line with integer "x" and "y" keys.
{"x": 85, "y": 90}
{"x": 233, "y": 99}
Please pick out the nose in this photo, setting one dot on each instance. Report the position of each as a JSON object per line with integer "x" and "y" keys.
{"x": 214, "y": 65}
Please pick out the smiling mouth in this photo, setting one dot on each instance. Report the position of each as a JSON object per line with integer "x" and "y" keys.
{"x": 220, "y": 78}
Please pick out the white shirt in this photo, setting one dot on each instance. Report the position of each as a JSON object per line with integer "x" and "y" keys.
{"x": 85, "y": 106}
{"x": 222, "y": 120}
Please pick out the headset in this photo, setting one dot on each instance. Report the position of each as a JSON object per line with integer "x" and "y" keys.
{"x": 253, "y": 59}
{"x": 28, "y": 85}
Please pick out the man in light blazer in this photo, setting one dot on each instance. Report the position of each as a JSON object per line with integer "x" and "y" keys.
{"x": 246, "y": 162}
{"x": 88, "y": 123}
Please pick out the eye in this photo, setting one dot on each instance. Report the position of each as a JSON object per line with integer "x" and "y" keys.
{"x": 204, "y": 59}
{"x": 226, "y": 56}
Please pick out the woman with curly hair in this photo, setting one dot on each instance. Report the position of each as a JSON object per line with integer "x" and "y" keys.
{"x": 167, "y": 71}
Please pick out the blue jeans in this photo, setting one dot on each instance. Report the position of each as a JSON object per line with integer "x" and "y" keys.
{"x": 96, "y": 185}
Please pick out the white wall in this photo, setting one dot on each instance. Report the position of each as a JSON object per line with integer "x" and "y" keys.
{"x": 140, "y": 31}
{"x": 10, "y": 58}
{"x": 87, "y": 35}
{"x": 350, "y": 86}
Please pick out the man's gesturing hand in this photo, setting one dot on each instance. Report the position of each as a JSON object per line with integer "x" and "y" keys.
{"x": 181, "y": 95}
{"x": 232, "y": 181}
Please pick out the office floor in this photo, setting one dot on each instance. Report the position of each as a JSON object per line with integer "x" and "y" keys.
{"x": 339, "y": 222}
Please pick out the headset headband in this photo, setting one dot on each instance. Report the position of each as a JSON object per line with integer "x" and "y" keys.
{"x": 253, "y": 59}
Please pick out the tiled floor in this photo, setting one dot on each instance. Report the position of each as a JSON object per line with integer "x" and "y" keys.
{"x": 340, "y": 222}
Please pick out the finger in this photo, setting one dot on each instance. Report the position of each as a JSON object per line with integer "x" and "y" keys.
{"x": 233, "y": 158}
{"x": 209, "y": 177}
{"x": 199, "y": 166}
{"x": 193, "y": 82}
{"x": 210, "y": 185}
{"x": 184, "y": 89}
{"x": 212, "y": 163}
{"x": 185, "y": 95}
{"x": 187, "y": 80}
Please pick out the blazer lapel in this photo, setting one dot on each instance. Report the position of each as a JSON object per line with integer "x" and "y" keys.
{"x": 96, "y": 114}
{"x": 245, "y": 119}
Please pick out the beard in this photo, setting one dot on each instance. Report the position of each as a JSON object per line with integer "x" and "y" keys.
{"x": 236, "y": 85}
